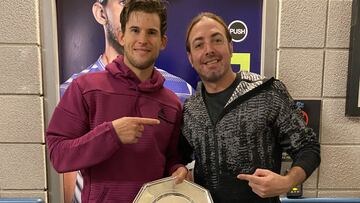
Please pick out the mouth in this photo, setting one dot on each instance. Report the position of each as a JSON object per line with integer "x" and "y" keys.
{"x": 144, "y": 50}
{"x": 211, "y": 61}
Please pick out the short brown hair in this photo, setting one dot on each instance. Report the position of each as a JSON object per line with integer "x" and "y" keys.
{"x": 147, "y": 6}
{"x": 197, "y": 18}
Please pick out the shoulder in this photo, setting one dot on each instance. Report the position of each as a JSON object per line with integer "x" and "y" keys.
{"x": 251, "y": 77}
{"x": 94, "y": 67}
{"x": 249, "y": 81}
{"x": 280, "y": 93}
{"x": 98, "y": 65}
{"x": 91, "y": 81}
{"x": 194, "y": 101}
{"x": 254, "y": 78}
{"x": 279, "y": 86}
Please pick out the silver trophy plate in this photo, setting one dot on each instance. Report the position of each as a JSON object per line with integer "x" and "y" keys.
{"x": 165, "y": 190}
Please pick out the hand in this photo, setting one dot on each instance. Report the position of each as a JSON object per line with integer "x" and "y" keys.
{"x": 180, "y": 174}
{"x": 189, "y": 176}
{"x": 266, "y": 183}
{"x": 130, "y": 129}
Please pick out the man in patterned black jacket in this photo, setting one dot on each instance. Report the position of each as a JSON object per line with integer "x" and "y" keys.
{"x": 238, "y": 124}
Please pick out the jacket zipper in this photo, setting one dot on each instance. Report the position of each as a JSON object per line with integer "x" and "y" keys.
{"x": 226, "y": 110}
{"x": 243, "y": 98}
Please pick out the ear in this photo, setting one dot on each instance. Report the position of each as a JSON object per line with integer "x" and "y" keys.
{"x": 164, "y": 40}
{"x": 121, "y": 38}
{"x": 99, "y": 13}
{"x": 231, "y": 48}
{"x": 190, "y": 58}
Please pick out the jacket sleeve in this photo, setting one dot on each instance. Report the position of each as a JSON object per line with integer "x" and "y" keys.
{"x": 187, "y": 152}
{"x": 186, "y": 149}
{"x": 72, "y": 145}
{"x": 295, "y": 137}
{"x": 173, "y": 155}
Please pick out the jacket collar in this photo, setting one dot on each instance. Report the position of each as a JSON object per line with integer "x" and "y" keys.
{"x": 249, "y": 83}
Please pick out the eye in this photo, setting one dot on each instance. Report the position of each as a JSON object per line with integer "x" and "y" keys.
{"x": 218, "y": 40}
{"x": 134, "y": 30}
{"x": 198, "y": 45}
{"x": 152, "y": 32}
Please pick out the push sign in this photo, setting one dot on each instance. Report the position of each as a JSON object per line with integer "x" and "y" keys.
{"x": 238, "y": 30}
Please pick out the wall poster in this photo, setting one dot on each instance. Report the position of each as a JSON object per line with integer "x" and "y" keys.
{"x": 353, "y": 81}
{"x": 81, "y": 39}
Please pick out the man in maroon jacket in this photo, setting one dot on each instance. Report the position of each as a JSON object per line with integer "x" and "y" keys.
{"x": 120, "y": 126}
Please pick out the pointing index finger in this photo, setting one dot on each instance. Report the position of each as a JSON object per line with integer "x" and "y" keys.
{"x": 146, "y": 121}
{"x": 250, "y": 178}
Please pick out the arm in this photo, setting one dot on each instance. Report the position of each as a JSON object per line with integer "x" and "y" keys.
{"x": 298, "y": 140}
{"x": 187, "y": 151}
{"x": 69, "y": 136}
{"x": 296, "y": 175}
{"x": 266, "y": 183}
{"x": 187, "y": 154}
{"x": 69, "y": 179}
{"x": 73, "y": 145}
{"x": 69, "y": 186}
{"x": 294, "y": 136}
{"x": 173, "y": 163}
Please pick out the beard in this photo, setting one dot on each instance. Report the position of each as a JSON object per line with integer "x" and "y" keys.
{"x": 212, "y": 77}
{"x": 142, "y": 65}
{"x": 112, "y": 38}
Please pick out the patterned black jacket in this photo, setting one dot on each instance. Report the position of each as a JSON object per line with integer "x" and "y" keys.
{"x": 257, "y": 124}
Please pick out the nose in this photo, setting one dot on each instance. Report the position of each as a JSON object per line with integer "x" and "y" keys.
{"x": 209, "y": 50}
{"x": 142, "y": 38}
